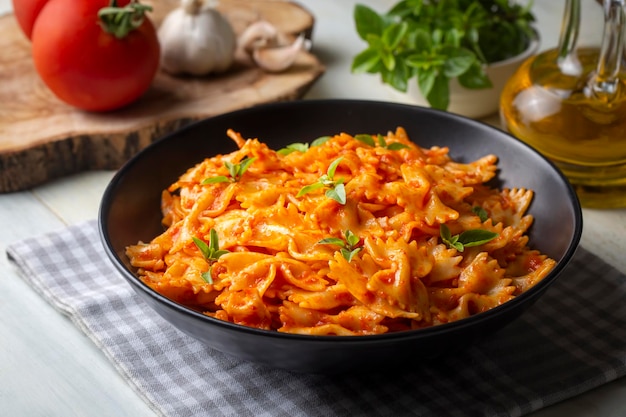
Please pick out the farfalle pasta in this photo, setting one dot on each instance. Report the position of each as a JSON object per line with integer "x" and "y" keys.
{"x": 356, "y": 249}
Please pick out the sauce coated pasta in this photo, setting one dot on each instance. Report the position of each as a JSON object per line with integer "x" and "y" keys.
{"x": 349, "y": 235}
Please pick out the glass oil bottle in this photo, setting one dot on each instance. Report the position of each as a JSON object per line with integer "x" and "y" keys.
{"x": 569, "y": 103}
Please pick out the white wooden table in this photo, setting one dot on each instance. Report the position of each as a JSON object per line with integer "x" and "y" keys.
{"x": 49, "y": 368}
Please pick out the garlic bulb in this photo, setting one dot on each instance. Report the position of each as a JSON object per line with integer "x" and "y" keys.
{"x": 196, "y": 39}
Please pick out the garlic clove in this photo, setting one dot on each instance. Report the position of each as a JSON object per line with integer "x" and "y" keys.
{"x": 279, "y": 58}
{"x": 258, "y": 34}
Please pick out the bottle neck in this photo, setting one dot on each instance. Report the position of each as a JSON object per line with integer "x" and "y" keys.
{"x": 570, "y": 29}
{"x": 605, "y": 82}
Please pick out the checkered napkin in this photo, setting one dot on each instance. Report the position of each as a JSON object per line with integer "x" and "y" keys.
{"x": 572, "y": 340}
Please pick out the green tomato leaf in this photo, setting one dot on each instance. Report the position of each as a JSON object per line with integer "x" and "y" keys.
{"x": 120, "y": 21}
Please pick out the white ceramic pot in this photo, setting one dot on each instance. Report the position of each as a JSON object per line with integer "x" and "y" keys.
{"x": 482, "y": 102}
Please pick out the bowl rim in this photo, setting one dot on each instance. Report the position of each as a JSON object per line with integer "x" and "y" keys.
{"x": 532, "y": 293}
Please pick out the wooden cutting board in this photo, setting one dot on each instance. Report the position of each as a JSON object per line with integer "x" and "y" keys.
{"x": 42, "y": 138}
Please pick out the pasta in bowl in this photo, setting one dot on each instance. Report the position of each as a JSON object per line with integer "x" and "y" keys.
{"x": 312, "y": 250}
{"x": 352, "y": 236}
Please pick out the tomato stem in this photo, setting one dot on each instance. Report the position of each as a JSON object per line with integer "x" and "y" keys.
{"x": 120, "y": 21}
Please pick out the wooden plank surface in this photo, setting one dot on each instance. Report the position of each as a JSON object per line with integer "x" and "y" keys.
{"x": 42, "y": 138}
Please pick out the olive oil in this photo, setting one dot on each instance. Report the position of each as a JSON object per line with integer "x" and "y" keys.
{"x": 582, "y": 130}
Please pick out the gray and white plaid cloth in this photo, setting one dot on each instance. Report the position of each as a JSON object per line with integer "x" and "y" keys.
{"x": 572, "y": 340}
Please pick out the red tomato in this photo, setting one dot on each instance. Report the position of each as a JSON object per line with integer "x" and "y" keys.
{"x": 26, "y": 12}
{"x": 84, "y": 65}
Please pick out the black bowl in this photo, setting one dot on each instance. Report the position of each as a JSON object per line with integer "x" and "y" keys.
{"x": 130, "y": 212}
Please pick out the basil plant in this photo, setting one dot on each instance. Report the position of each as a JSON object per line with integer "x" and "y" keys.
{"x": 435, "y": 41}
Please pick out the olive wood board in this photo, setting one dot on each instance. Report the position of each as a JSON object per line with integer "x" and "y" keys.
{"x": 42, "y": 138}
